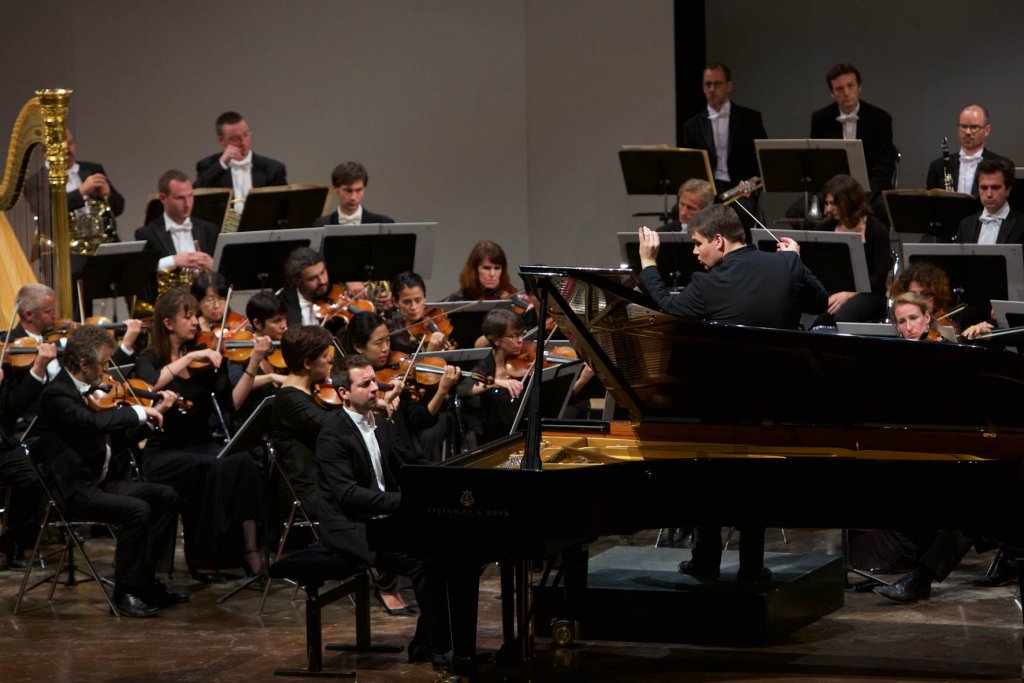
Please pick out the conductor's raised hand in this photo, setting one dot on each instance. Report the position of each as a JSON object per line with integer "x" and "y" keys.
{"x": 787, "y": 244}
{"x": 649, "y": 244}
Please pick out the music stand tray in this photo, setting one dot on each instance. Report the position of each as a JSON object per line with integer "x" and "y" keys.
{"x": 835, "y": 258}
{"x": 255, "y": 431}
{"x": 283, "y": 207}
{"x": 676, "y": 261}
{"x": 929, "y": 212}
{"x": 378, "y": 251}
{"x": 803, "y": 165}
{"x": 659, "y": 169}
{"x": 211, "y": 205}
{"x": 255, "y": 260}
{"x": 119, "y": 269}
{"x": 985, "y": 272}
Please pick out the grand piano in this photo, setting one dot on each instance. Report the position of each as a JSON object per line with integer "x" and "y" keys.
{"x": 806, "y": 430}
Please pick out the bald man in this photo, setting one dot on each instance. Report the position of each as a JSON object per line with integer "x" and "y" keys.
{"x": 973, "y": 128}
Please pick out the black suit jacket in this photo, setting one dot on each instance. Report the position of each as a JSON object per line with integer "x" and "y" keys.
{"x": 1010, "y": 232}
{"x": 293, "y": 311}
{"x": 747, "y": 287}
{"x": 158, "y": 239}
{"x": 368, "y": 217}
{"x": 349, "y": 494}
{"x": 266, "y": 172}
{"x": 874, "y": 130}
{"x": 745, "y": 126}
{"x": 72, "y": 443}
{"x": 935, "y": 175}
{"x": 75, "y": 200}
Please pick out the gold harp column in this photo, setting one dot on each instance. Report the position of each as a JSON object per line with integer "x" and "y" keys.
{"x": 55, "y": 116}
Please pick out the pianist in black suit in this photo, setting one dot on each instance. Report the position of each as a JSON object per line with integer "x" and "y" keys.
{"x": 357, "y": 462}
{"x": 743, "y": 286}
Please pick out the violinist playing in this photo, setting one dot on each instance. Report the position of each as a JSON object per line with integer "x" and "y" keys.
{"x": 210, "y": 289}
{"x": 73, "y": 445}
{"x": 264, "y": 369}
{"x": 498, "y": 401}
{"x": 912, "y": 318}
{"x": 409, "y": 325}
{"x": 485, "y": 275}
{"x": 309, "y": 284}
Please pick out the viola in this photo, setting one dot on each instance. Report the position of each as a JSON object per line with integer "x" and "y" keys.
{"x": 111, "y": 393}
{"x": 521, "y": 365}
{"x": 521, "y": 305}
{"x": 21, "y": 353}
{"x": 326, "y": 395}
{"x": 239, "y": 347}
{"x": 428, "y": 371}
{"x": 337, "y": 303}
{"x": 434, "y": 320}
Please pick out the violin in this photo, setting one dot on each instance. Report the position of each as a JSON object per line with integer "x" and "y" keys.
{"x": 337, "y": 303}
{"x": 111, "y": 393}
{"x": 239, "y": 346}
{"x": 434, "y": 320}
{"x": 521, "y": 305}
{"x": 66, "y": 327}
{"x": 521, "y": 365}
{"x": 21, "y": 353}
{"x": 428, "y": 371}
{"x": 326, "y": 395}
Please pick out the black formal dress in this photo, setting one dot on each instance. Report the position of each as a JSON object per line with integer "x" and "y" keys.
{"x": 936, "y": 177}
{"x": 874, "y": 130}
{"x": 368, "y": 217}
{"x": 297, "y": 421}
{"x": 266, "y": 172}
{"x": 72, "y": 449}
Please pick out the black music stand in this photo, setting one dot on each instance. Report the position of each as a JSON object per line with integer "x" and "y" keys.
{"x": 676, "y": 261}
{"x": 804, "y": 165}
{"x": 659, "y": 169}
{"x": 983, "y": 271}
{"x": 377, "y": 251}
{"x": 836, "y": 258}
{"x": 467, "y": 317}
{"x": 283, "y": 206}
{"x": 119, "y": 269}
{"x": 211, "y": 205}
{"x": 931, "y": 212}
{"x": 255, "y": 260}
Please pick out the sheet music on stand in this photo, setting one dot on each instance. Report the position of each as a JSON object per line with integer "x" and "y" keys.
{"x": 283, "y": 207}
{"x": 986, "y": 272}
{"x": 660, "y": 170}
{"x": 378, "y": 251}
{"x": 255, "y": 260}
{"x": 120, "y": 269}
{"x": 929, "y": 212}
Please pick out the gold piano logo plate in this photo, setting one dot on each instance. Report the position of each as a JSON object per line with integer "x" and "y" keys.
{"x": 467, "y": 499}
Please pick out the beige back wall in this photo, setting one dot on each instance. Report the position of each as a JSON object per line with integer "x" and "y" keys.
{"x": 496, "y": 119}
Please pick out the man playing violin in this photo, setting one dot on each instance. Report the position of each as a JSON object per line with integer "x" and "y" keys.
{"x": 308, "y": 293}
{"x": 73, "y": 446}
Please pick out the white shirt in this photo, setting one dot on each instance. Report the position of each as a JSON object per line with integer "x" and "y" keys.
{"x": 308, "y": 312}
{"x": 53, "y": 367}
{"x": 84, "y": 388}
{"x": 720, "y": 130}
{"x": 366, "y": 426}
{"x": 181, "y": 236}
{"x": 849, "y": 122}
{"x": 968, "y": 169}
{"x": 354, "y": 219}
{"x": 241, "y": 178}
{"x": 990, "y": 224}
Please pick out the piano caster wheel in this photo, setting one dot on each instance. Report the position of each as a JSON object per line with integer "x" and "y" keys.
{"x": 563, "y": 633}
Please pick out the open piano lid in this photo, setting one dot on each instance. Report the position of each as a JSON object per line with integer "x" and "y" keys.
{"x": 664, "y": 368}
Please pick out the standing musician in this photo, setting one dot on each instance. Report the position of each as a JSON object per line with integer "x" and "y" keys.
{"x": 218, "y": 494}
{"x": 73, "y": 447}
{"x": 410, "y": 294}
{"x": 485, "y": 275}
{"x": 236, "y": 166}
{"x": 499, "y": 401}
{"x": 912, "y": 318}
{"x": 349, "y": 179}
{"x": 182, "y": 241}
{"x": 694, "y": 195}
{"x": 356, "y": 466}
{"x": 973, "y": 129}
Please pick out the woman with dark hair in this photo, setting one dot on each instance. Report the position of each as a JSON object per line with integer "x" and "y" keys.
{"x": 499, "y": 401}
{"x": 410, "y": 295}
{"x": 846, "y": 210}
{"x": 217, "y": 495}
{"x": 210, "y": 290}
{"x": 485, "y": 275}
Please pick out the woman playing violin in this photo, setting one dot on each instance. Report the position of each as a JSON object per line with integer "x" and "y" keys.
{"x": 410, "y": 294}
{"x": 499, "y": 401}
{"x": 485, "y": 275}
{"x": 266, "y": 313}
{"x": 210, "y": 289}
{"x": 217, "y": 494}
{"x": 912, "y": 318}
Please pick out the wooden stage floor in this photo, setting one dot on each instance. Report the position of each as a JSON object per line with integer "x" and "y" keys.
{"x": 962, "y": 633}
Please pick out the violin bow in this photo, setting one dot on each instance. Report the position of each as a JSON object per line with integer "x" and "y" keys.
{"x": 10, "y": 328}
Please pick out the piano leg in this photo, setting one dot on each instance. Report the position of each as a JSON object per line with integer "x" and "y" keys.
{"x": 463, "y": 589}
{"x": 566, "y": 629}
{"x": 516, "y": 612}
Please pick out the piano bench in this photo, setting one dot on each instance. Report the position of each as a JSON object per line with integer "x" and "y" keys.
{"x": 311, "y": 568}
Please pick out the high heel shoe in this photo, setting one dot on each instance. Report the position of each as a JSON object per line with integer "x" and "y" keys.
{"x": 405, "y": 611}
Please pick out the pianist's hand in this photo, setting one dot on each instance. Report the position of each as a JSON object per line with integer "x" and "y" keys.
{"x": 649, "y": 244}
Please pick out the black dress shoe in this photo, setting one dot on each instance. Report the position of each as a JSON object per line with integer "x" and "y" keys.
{"x": 129, "y": 605}
{"x": 1005, "y": 574}
{"x": 911, "y": 588}
{"x": 160, "y": 596}
{"x": 755, "y": 575}
{"x": 698, "y": 571}
{"x": 17, "y": 564}
{"x": 420, "y": 652}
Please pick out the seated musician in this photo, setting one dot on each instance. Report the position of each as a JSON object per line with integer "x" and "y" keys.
{"x": 410, "y": 295}
{"x": 498, "y": 400}
{"x": 236, "y": 166}
{"x": 356, "y": 468}
{"x": 485, "y": 275}
{"x": 181, "y": 240}
{"x": 25, "y": 509}
{"x": 694, "y": 195}
{"x": 997, "y": 223}
{"x": 349, "y": 179}
{"x": 73, "y": 447}
{"x": 912, "y": 318}
{"x": 308, "y": 284}
{"x": 743, "y": 286}
{"x": 266, "y": 314}
{"x": 930, "y": 283}
{"x": 846, "y": 211}
{"x": 221, "y": 498}
{"x": 973, "y": 130}
{"x": 86, "y": 180}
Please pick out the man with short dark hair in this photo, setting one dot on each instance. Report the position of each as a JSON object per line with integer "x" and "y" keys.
{"x": 973, "y": 129}
{"x": 997, "y": 223}
{"x": 306, "y": 281}
{"x": 236, "y": 166}
{"x": 176, "y": 234}
{"x": 851, "y": 118}
{"x": 349, "y": 180}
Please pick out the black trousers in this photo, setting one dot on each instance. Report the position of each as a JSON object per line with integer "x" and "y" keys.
{"x": 27, "y": 499}
{"x": 707, "y": 547}
{"x": 432, "y": 627}
{"x": 146, "y": 518}
{"x": 945, "y": 553}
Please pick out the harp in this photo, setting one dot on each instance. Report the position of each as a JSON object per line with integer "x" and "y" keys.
{"x": 34, "y": 242}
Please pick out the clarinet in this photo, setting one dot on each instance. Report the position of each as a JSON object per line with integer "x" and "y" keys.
{"x": 947, "y": 176}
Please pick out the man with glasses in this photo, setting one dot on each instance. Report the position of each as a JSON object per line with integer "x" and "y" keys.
{"x": 236, "y": 166}
{"x": 973, "y": 128}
